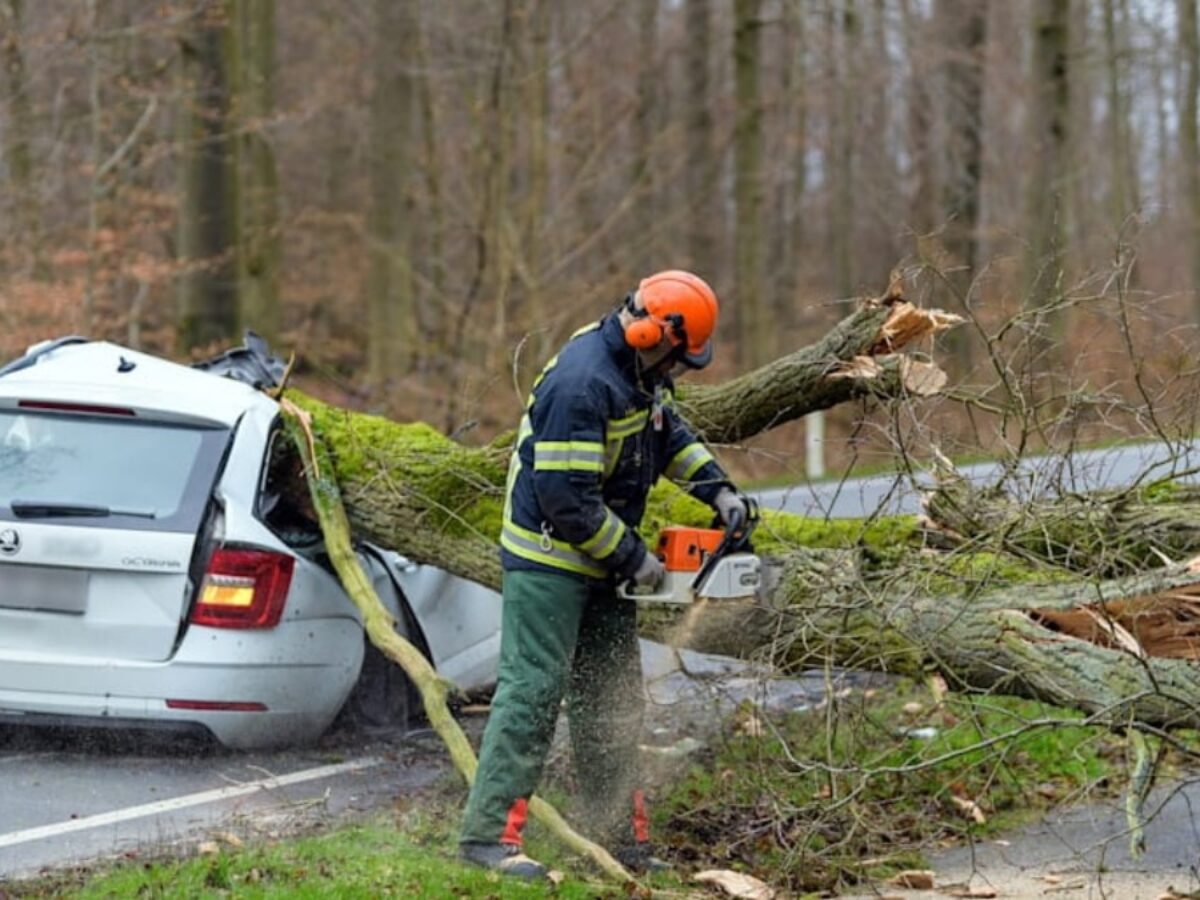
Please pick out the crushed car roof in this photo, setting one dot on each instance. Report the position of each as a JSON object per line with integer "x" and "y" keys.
{"x": 98, "y": 372}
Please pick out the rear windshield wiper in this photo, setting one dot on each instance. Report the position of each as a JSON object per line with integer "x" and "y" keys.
{"x": 38, "y": 509}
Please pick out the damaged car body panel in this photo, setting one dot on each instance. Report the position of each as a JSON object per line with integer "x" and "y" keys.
{"x": 148, "y": 575}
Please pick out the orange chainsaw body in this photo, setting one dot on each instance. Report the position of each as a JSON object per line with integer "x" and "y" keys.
{"x": 684, "y": 549}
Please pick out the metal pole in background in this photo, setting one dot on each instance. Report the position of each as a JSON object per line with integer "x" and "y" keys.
{"x": 814, "y": 445}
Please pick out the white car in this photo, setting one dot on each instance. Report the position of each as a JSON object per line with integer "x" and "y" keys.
{"x": 151, "y": 576}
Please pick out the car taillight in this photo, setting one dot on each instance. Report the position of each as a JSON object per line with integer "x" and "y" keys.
{"x": 244, "y": 589}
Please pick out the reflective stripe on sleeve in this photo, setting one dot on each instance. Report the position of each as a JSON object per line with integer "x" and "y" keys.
{"x": 542, "y": 549}
{"x": 587, "y": 456}
{"x": 602, "y": 544}
{"x": 688, "y": 461}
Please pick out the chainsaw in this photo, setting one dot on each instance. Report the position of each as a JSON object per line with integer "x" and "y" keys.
{"x": 704, "y": 564}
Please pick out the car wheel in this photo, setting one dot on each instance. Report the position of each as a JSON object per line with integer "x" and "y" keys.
{"x": 384, "y": 700}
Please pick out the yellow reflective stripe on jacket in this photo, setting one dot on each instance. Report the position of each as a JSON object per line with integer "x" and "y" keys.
{"x": 622, "y": 428}
{"x": 587, "y": 456}
{"x": 615, "y": 433}
{"x": 687, "y": 462}
{"x": 602, "y": 544}
{"x": 554, "y": 360}
{"x": 543, "y": 549}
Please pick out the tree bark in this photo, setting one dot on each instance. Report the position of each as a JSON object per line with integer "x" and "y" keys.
{"x": 701, "y": 161}
{"x": 257, "y": 172}
{"x": 208, "y": 217}
{"x": 1189, "y": 131}
{"x": 18, "y": 132}
{"x": 755, "y": 343}
{"x": 1046, "y": 191}
{"x": 436, "y": 501}
{"x": 390, "y": 288}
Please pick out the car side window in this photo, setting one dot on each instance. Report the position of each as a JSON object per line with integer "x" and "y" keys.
{"x": 275, "y": 505}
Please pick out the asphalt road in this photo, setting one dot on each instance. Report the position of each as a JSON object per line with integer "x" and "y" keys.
{"x": 71, "y": 797}
{"x": 1035, "y": 476}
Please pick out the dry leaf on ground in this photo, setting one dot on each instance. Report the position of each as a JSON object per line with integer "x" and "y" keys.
{"x": 917, "y": 879}
{"x": 736, "y": 884}
{"x": 970, "y": 809}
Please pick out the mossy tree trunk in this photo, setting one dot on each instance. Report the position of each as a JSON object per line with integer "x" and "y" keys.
{"x": 1120, "y": 650}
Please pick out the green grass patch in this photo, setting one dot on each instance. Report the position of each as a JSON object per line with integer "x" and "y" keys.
{"x": 412, "y": 856}
{"x": 817, "y": 801}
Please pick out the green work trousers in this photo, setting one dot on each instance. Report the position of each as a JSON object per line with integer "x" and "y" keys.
{"x": 559, "y": 635}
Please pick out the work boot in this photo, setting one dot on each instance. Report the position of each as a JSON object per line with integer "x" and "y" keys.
{"x": 639, "y": 858}
{"x": 507, "y": 859}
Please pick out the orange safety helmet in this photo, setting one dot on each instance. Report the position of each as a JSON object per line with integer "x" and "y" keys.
{"x": 680, "y": 306}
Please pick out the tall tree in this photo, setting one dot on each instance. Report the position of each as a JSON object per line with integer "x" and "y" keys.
{"x": 1048, "y": 137}
{"x": 18, "y": 130}
{"x": 642, "y": 171}
{"x": 788, "y": 240}
{"x": 755, "y": 331}
{"x": 698, "y": 119}
{"x": 1189, "y": 139}
{"x": 257, "y": 171}
{"x": 538, "y": 124}
{"x": 390, "y": 280}
{"x": 962, "y": 27}
{"x": 433, "y": 215}
{"x": 843, "y": 46}
{"x": 208, "y": 218}
{"x": 1124, "y": 189}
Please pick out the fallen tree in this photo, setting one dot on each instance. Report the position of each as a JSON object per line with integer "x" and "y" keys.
{"x": 991, "y": 614}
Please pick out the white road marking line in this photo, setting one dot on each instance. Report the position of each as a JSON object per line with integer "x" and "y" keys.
{"x": 21, "y": 757}
{"x": 199, "y": 799}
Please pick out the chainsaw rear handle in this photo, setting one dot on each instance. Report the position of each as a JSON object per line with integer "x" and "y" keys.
{"x": 736, "y": 538}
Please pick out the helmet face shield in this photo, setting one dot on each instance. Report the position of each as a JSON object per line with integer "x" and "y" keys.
{"x": 698, "y": 359}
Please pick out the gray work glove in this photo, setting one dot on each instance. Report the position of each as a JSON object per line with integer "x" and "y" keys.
{"x": 649, "y": 574}
{"x": 727, "y": 501}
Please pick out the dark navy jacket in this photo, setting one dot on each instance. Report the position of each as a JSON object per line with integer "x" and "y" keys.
{"x": 593, "y": 441}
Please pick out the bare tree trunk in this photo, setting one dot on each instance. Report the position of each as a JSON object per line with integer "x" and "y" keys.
{"x": 755, "y": 330}
{"x": 788, "y": 243}
{"x": 390, "y": 280}
{"x": 208, "y": 217}
{"x": 701, "y": 151}
{"x": 964, "y": 25}
{"x": 18, "y": 134}
{"x": 844, "y": 41}
{"x": 1047, "y": 190}
{"x": 534, "y": 234}
{"x": 1189, "y": 142}
{"x": 643, "y": 177}
{"x": 436, "y": 316}
{"x": 1123, "y": 190}
{"x": 258, "y": 175}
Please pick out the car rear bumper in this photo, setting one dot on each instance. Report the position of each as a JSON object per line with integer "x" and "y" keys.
{"x": 299, "y": 673}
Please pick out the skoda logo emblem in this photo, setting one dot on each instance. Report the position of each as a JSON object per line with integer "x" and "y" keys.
{"x": 10, "y": 541}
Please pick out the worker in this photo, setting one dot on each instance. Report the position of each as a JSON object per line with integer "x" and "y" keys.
{"x": 599, "y": 428}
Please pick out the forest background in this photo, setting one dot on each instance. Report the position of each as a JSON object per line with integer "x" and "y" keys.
{"x": 424, "y": 199}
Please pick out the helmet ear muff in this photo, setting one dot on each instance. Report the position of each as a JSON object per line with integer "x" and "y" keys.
{"x": 643, "y": 333}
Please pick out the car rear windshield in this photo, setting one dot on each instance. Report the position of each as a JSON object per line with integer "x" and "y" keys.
{"x": 96, "y": 471}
